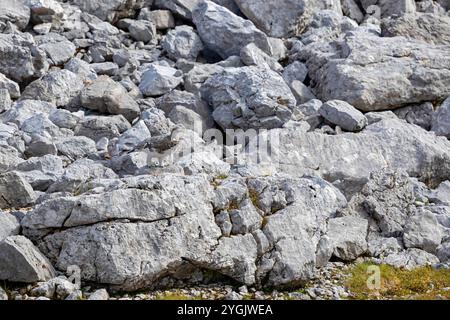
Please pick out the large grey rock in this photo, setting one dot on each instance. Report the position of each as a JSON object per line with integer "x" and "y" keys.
{"x": 9, "y": 225}
{"x": 112, "y": 10}
{"x": 124, "y": 223}
{"x": 286, "y": 17}
{"x": 15, "y": 12}
{"x": 388, "y": 199}
{"x": 20, "y": 58}
{"x": 21, "y": 261}
{"x": 296, "y": 212}
{"x": 441, "y": 119}
{"x": 100, "y": 294}
{"x": 224, "y": 32}
{"x": 105, "y": 68}
{"x": 15, "y": 191}
{"x": 348, "y": 159}
{"x": 158, "y": 80}
{"x": 58, "y": 87}
{"x": 432, "y": 28}
{"x": 182, "y": 43}
{"x": 107, "y": 96}
{"x": 348, "y": 237}
{"x": 375, "y": 73}
{"x": 422, "y": 231}
{"x": 249, "y": 97}
{"x": 344, "y": 115}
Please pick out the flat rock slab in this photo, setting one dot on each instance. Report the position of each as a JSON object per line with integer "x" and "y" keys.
{"x": 375, "y": 73}
{"x": 348, "y": 159}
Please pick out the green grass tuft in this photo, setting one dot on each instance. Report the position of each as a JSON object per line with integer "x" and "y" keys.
{"x": 424, "y": 283}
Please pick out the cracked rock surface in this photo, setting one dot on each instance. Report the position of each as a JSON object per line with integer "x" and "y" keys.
{"x": 152, "y": 144}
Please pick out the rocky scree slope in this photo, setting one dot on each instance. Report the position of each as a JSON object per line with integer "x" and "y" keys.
{"x": 106, "y": 161}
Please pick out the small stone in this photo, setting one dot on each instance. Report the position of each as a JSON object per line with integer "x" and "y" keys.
{"x": 295, "y": 71}
{"x": 233, "y": 296}
{"x": 5, "y": 100}
{"x": 348, "y": 236}
{"x": 75, "y": 295}
{"x": 158, "y": 80}
{"x": 9, "y": 225}
{"x": 100, "y": 294}
{"x": 344, "y": 115}
{"x": 11, "y": 86}
{"x": 3, "y": 295}
{"x": 251, "y": 55}
{"x": 224, "y": 32}
{"x": 105, "y": 68}
{"x": 182, "y": 43}
{"x": 142, "y": 30}
{"x": 43, "y": 28}
{"x": 106, "y": 95}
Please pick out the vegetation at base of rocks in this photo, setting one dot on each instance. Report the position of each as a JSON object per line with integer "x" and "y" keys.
{"x": 424, "y": 283}
{"x": 176, "y": 296}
